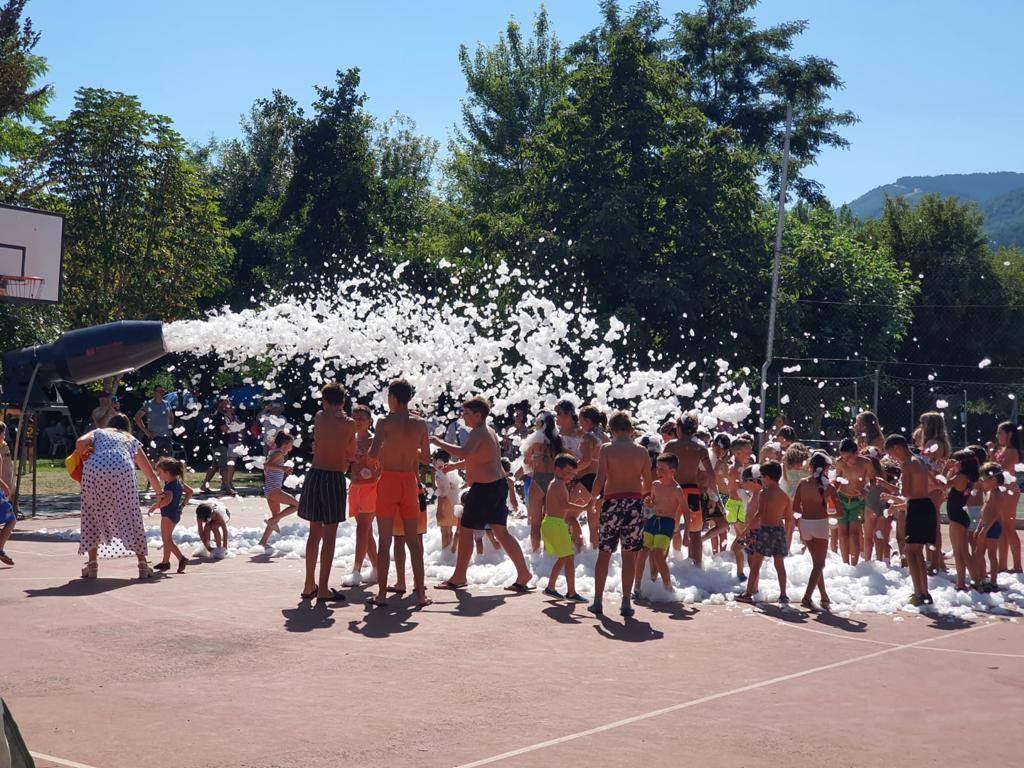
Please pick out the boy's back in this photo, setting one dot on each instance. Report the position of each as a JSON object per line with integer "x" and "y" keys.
{"x": 626, "y": 466}
{"x": 774, "y": 506}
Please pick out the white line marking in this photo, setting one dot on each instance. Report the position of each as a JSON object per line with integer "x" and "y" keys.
{"x": 59, "y": 760}
{"x": 705, "y": 700}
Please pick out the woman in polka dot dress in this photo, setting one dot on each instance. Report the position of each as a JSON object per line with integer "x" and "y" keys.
{"x": 111, "y": 518}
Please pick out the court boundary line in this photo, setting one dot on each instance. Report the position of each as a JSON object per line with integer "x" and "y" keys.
{"x": 704, "y": 700}
{"x": 59, "y": 760}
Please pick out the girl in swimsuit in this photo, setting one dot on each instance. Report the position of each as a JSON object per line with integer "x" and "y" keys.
{"x": 281, "y": 503}
{"x": 1009, "y": 455}
{"x": 963, "y": 470}
{"x": 539, "y": 452}
{"x": 810, "y": 508}
{"x": 868, "y": 432}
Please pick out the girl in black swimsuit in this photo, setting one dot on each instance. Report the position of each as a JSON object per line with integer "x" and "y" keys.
{"x": 961, "y": 488}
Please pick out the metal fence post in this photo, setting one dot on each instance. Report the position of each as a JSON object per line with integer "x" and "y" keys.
{"x": 911, "y": 408}
{"x": 967, "y": 440}
{"x": 874, "y": 402}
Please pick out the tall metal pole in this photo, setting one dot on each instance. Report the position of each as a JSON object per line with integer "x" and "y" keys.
{"x": 773, "y": 304}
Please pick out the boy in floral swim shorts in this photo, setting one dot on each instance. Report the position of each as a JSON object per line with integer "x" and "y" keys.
{"x": 766, "y": 529}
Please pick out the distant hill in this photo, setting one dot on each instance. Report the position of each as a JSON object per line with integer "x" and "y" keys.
{"x": 1000, "y": 198}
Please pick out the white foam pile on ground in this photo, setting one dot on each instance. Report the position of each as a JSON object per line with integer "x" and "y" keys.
{"x": 373, "y": 328}
{"x": 869, "y": 587}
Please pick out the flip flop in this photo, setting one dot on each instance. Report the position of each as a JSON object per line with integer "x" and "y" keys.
{"x": 424, "y": 602}
{"x": 309, "y": 595}
{"x": 517, "y": 587}
{"x": 373, "y": 602}
{"x": 395, "y": 591}
{"x": 744, "y": 599}
{"x": 449, "y": 584}
{"x": 334, "y": 597}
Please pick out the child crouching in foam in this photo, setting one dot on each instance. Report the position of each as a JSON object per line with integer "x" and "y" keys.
{"x": 559, "y": 514}
{"x": 212, "y": 521}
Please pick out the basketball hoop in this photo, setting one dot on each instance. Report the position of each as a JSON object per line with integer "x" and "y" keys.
{"x": 21, "y": 286}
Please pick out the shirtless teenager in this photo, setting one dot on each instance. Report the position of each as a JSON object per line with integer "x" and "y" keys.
{"x": 693, "y": 473}
{"x": 362, "y": 496}
{"x": 623, "y": 479}
{"x": 486, "y": 501}
{"x": 400, "y": 444}
{"x": 322, "y": 502}
{"x": 854, "y": 476}
{"x": 921, "y": 514}
{"x": 766, "y": 534}
{"x": 810, "y": 503}
{"x": 590, "y": 447}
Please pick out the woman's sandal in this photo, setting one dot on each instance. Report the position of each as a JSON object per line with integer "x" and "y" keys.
{"x": 311, "y": 594}
{"x": 90, "y": 570}
{"x": 145, "y": 571}
{"x": 336, "y": 596}
{"x": 517, "y": 587}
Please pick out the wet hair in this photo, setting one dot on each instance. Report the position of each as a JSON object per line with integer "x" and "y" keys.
{"x": 969, "y": 465}
{"x": 169, "y": 464}
{"x": 787, "y": 433}
{"x": 740, "y": 441}
{"x": 991, "y": 469}
{"x": 442, "y": 456}
{"x": 121, "y": 422}
{"x": 670, "y": 460}
{"x": 933, "y": 430}
{"x": 796, "y": 453}
{"x": 848, "y": 445}
{"x": 1016, "y": 442}
{"x": 591, "y": 414}
{"x": 602, "y": 419}
{"x": 554, "y": 439}
{"x": 688, "y": 424}
{"x": 506, "y": 464}
{"x": 980, "y": 453}
{"x": 872, "y": 429}
{"x": 772, "y": 469}
{"x": 566, "y": 406}
{"x": 477, "y": 405}
{"x": 668, "y": 426}
{"x": 282, "y": 438}
{"x": 751, "y": 474}
{"x": 819, "y": 462}
{"x": 333, "y": 393}
{"x": 563, "y": 460}
{"x": 894, "y": 441}
{"x": 364, "y": 409}
{"x": 620, "y": 422}
{"x": 401, "y": 390}
{"x": 722, "y": 440}
{"x": 891, "y": 469}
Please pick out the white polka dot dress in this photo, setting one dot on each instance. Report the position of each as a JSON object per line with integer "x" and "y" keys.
{"x": 111, "y": 518}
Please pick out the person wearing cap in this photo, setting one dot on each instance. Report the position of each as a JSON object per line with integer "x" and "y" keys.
{"x": 101, "y": 413}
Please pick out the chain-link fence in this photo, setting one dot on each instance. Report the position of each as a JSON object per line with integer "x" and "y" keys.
{"x": 820, "y": 401}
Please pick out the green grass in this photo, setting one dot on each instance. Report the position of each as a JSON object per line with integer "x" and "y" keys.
{"x": 51, "y": 477}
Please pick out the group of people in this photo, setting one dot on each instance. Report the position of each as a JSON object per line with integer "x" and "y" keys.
{"x": 588, "y": 479}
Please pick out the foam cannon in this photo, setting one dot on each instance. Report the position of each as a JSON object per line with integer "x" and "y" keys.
{"x": 79, "y": 357}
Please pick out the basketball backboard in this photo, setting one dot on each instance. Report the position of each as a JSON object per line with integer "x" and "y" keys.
{"x": 31, "y": 255}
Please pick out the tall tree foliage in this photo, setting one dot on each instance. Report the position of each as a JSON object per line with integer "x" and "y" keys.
{"x": 144, "y": 237}
{"x": 742, "y": 76}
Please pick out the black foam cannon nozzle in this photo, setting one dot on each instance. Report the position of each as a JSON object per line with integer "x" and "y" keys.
{"x": 81, "y": 356}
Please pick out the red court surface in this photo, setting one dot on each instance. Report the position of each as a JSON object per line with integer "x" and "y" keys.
{"x": 225, "y": 666}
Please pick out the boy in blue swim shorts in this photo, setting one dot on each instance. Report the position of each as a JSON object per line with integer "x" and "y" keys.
{"x": 670, "y": 506}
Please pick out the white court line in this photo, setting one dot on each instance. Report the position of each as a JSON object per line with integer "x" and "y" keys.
{"x": 704, "y": 700}
{"x": 837, "y": 636}
{"x": 59, "y": 760}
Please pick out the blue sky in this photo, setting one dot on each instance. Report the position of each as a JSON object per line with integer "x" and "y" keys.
{"x": 936, "y": 84}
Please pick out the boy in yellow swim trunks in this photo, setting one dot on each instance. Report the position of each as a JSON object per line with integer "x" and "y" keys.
{"x": 670, "y": 506}
{"x": 559, "y": 514}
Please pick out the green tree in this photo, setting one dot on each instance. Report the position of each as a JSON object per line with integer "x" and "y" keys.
{"x": 144, "y": 237}
{"x": 328, "y": 206}
{"x": 741, "y": 76}
{"x": 405, "y": 163}
{"x": 645, "y": 202}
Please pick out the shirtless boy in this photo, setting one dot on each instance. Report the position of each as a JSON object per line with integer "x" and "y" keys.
{"x": 1001, "y": 499}
{"x": 400, "y": 444}
{"x": 485, "y": 503}
{"x": 560, "y": 518}
{"x": 921, "y": 516}
{"x": 854, "y": 475}
{"x": 590, "y": 447}
{"x": 694, "y": 471}
{"x": 623, "y": 478}
{"x": 362, "y": 496}
{"x": 322, "y": 502}
{"x": 736, "y": 503}
{"x": 670, "y": 506}
{"x": 766, "y": 529}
